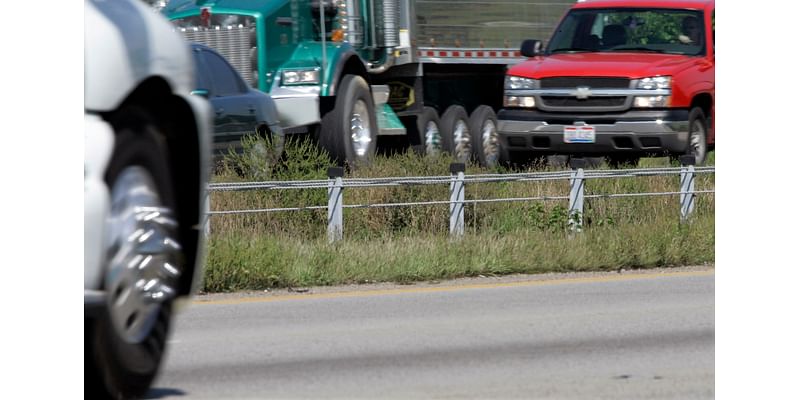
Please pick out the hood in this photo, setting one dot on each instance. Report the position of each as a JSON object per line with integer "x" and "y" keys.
{"x": 630, "y": 65}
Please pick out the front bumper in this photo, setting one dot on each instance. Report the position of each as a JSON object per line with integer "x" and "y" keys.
{"x": 297, "y": 105}
{"x": 632, "y": 132}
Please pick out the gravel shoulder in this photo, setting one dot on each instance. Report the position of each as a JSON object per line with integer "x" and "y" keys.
{"x": 469, "y": 281}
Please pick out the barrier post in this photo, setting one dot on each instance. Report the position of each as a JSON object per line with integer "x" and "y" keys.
{"x": 457, "y": 200}
{"x": 576, "y": 181}
{"x": 335, "y": 223}
{"x": 687, "y": 187}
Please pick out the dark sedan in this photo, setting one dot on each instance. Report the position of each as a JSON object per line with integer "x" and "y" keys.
{"x": 239, "y": 110}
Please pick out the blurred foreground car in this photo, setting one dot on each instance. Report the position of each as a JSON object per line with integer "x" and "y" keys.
{"x": 146, "y": 150}
{"x": 239, "y": 109}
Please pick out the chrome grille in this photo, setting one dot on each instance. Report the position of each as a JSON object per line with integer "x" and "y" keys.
{"x": 563, "y": 82}
{"x": 233, "y": 43}
{"x": 595, "y": 102}
{"x": 559, "y": 101}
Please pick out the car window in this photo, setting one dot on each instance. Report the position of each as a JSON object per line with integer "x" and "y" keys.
{"x": 226, "y": 82}
{"x": 202, "y": 76}
{"x": 660, "y": 30}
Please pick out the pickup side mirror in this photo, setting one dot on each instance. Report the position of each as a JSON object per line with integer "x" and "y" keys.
{"x": 531, "y": 48}
{"x": 200, "y": 92}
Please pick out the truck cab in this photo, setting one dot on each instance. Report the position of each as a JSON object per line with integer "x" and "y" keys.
{"x": 618, "y": 78}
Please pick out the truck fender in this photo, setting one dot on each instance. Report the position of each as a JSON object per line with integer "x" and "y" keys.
{"x": 347, "y": 62}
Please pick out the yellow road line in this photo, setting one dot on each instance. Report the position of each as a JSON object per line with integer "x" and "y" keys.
{"x": 452, "y": 288}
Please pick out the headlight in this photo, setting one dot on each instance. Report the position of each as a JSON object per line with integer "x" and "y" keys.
{"x": 651, "y": 101}
{"x": 519, "y": 101}
{"x": 516, "y": 82}
{"x": 300, "y": 77}
{"x": 656, "y": 82}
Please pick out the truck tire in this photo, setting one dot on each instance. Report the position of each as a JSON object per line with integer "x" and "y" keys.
{"x": 124, "y": 346}
{"x": 698, "y": 135}
{"x": 430, "y": 136}
{"x": 350, "y": 131}
{"x": 455, "y": 132}
{"x": 485, "y": 141}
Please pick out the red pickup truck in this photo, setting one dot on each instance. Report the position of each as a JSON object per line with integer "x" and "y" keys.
{"x": 619, "y": 78}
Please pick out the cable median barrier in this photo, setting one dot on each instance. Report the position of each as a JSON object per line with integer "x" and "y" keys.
{"x": 458, "y": 181}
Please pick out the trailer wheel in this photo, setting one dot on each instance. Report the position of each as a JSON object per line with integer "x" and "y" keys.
{"x": 430, "y": 134}
{"x": 455, "y": 132}
{"x": 350, "y": 131}
{"x": 485, "y": 142}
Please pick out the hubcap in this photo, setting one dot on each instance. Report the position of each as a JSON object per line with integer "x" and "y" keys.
{"x": 360, "y": 130}
{"x": 697, "y": 144}
{"x": 433, "y": 139}
{"x": 491, "y": 150}
{"x": 463, "y": 147}
{"x": 144, "y": 258}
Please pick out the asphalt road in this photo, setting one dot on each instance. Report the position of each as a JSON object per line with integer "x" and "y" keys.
{"x": 615, "y": 336}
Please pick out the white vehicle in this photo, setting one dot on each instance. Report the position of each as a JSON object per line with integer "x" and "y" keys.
{"x": 147, "y": 144}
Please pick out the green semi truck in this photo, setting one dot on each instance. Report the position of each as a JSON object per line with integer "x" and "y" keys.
{"x": 422, "y": 73}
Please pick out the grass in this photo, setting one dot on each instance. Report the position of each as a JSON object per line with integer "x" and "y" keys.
{"x": 404, "y": 244}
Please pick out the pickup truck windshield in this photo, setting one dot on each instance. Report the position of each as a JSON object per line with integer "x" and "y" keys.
{"x": 650, "y": 30}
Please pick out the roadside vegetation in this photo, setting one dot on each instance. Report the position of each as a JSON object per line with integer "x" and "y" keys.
{"x": 257, "y": 251}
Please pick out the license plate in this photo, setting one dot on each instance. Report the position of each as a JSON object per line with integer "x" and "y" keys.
{"x": 579, "y": 134}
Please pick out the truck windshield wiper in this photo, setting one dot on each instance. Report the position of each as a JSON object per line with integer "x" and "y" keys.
{"x": 570, "y": 49}
{"x": 632, "y": 48}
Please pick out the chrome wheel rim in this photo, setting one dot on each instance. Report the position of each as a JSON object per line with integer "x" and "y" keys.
{"x": 360, "y": 130}
{"x": 144, "y": 257}
{"x": 697, "y": 144}
{"x": 463, "y": 145}
{"x": 433, "y": 138}
{"x": 491, "y": 150}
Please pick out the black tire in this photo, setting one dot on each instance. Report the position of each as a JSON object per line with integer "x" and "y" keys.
{"x": 455, "y": 133}
{"x": 698, "y": 136}
{"x": 116, "y": 366}
{"x": 623, "y": 161}
{"x": 485, "y": 139}
{"x": 430, "y": 132}
{"x": 336, "y": 133}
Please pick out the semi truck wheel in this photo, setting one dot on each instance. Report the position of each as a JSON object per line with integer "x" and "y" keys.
{"x": 455, "y": 132}
{"x": 485, "y": 142}
{"x": 428, "y": 126}
{"x": 350, "y": 131}
{"x": 125, "y": 345}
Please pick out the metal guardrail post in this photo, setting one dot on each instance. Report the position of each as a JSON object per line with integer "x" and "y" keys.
{"x": 207, "y": 215}
{"x": 457, "y": 199}
{"x": 687, "y": 186}
{"x": 335, "y": 187}
{"x": 576, "y": 183}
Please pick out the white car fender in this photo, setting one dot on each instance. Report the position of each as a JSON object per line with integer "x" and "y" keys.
{"x": 117, "y": 63}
